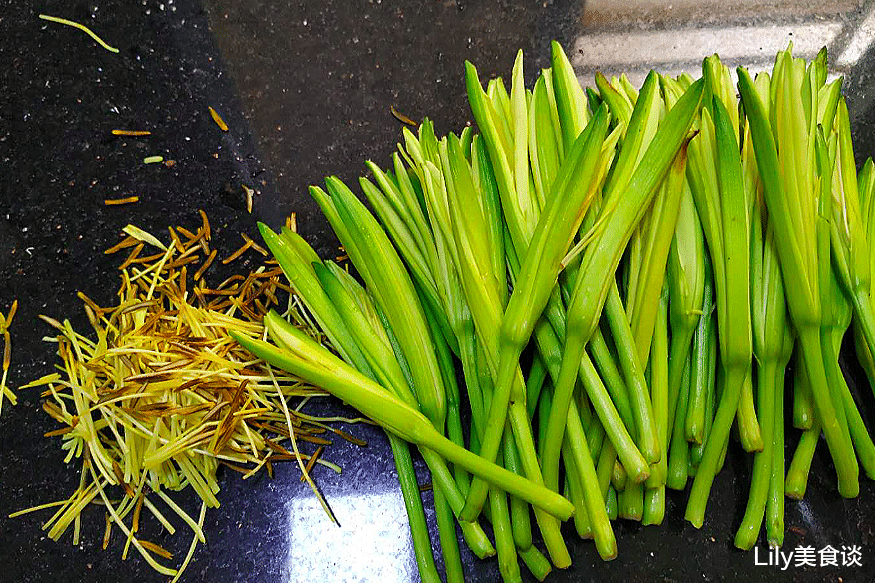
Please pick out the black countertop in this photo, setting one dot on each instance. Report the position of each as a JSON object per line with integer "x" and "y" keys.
{"x": 306, "y": 88}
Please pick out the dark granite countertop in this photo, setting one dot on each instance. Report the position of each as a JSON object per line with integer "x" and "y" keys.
{"x": 306, "y": 88}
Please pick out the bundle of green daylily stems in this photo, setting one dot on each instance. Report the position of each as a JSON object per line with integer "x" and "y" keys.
{"x": 608, "y": 266}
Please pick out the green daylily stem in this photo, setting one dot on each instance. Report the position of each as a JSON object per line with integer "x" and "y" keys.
{"x": 443, "y": 512}
{"x": 775, "y": 501}
{"x": 415, "y": 513}
{"x": 606, "y": 543}
{"x": 840, "y": 447}
{"x": 707, "y": 468}
{"x": 694, "y": 424}
{"x": 679, "y": 448}
{"x": 749, "y": 432}
{"x": 595, "y": 436}
{"x": 654, "y": 506}
{"x": 468, "y": 348}
{"x": 537, "y": 564}
{"x": 574, "y": 492}
{"x": 631, "y": 502}
{"x": 835, "y": 380}
{"x": 535, "y": 384}
{"x": 610, "y": 374}
{"x": 549, "y": 525}
{"x": 633, "y": 371}
{"x": 605, "y": 467}
{"x": 612, "y": 504}
{"x": 508, "y": 565}
{"x": 678, "y": 366}
{"x": 749, "y": 530}
{"x": 865, "y": 319}
{"x": 713, "y": 377}
{"x": 863, "y": 445}
{"x": 796, "y": 481}
{"x": 606, "y": 403}
{"x": 654, "y": 496}
{"x": 803, "y": 399}
{"x": 619, "y": 479}
{"x": 522, "y": 525}
{"x": 448, "y": 374}
{"x": 604, "y": 406}
{"x": 447, "y": 534}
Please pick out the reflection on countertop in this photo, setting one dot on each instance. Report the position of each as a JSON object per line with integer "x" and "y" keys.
{"x": 632, "y": 37}
{"x": 371, "y": 544}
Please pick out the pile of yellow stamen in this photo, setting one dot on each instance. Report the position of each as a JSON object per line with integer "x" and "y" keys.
{"x": 159, "y": 395}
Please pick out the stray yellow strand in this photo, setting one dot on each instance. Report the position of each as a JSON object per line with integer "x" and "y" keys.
{"x": 249, "y": 192}
{"x": 304, "y": 471}
{"x": 38, "y": 508}
{"x": 81, "y": 27}
{"x": 401, "y": 117}
{"x": 160, "y": 517}
{"x": 141, "y": 235}
{"x": 153, "y": 159}
{"x": 190, "y": 554}
{"x": 218, "y": 119}
{"x": 146, "y": 555}
{"x": 131, "y": 133}
{"x": 118, "y": 201}
{"x": 183, "y": 515}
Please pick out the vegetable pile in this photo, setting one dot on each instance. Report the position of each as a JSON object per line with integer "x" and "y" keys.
{"x": 158, "y": 396}
{"x": 609, "y": 267}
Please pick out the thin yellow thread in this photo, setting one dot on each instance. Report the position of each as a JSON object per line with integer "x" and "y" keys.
{"x": 81, "y": 27}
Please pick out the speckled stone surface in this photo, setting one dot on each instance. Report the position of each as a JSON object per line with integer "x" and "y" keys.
{"x": 306, "y": 88}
